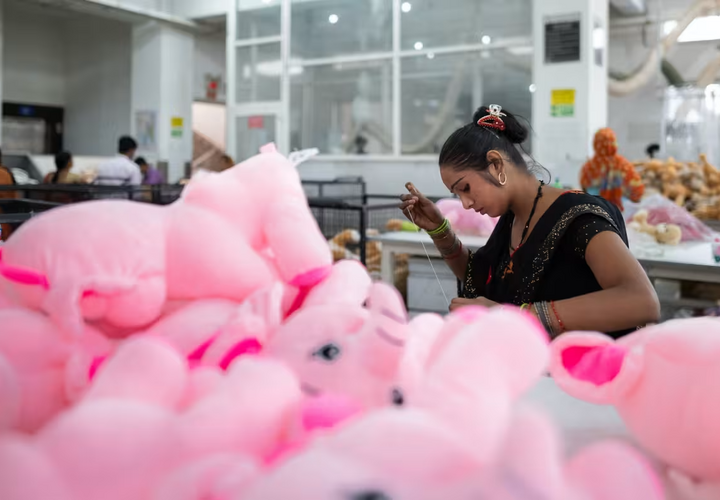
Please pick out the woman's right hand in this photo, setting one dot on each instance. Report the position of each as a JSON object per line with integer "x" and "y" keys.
{"x": 419, "y": 210}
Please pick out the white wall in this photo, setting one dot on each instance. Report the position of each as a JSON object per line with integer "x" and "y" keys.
{"x": 78, "y": 62}
{"x": 210, "y": 59}
{"x": 210, "y": 120}
{"x": 34, "y": 57}
{"x": 637, "y": 118}
{"x": 382, "y": 176}
{"x": 98, "y": 96}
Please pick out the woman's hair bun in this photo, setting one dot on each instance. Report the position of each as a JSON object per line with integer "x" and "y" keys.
{"x": 515, "y": 132}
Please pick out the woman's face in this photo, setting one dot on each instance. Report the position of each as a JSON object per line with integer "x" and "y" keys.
{"x": 475, "y": 190}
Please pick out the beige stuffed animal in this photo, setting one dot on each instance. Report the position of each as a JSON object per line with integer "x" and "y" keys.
{"x": 667, "y": 234}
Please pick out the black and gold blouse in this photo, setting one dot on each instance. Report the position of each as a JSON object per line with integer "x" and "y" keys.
{"x": 550, "y": 265}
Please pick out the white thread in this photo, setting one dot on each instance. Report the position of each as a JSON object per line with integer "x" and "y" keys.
{"x": 409, "y": 210}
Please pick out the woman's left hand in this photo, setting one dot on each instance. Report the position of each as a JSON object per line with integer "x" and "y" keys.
{"x": 457, "y": 303}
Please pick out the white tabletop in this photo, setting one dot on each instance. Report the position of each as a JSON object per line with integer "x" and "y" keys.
{"x": 695, "y": 254}
{"x": 580, "y": 423}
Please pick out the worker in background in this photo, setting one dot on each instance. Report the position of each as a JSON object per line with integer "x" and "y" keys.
{"x": 609, "y": 174}
{"x": 6, "y": 179}
{"x": 62, "y": 174}
{"x": 121, "y": 170}
{"x": 151, "y": 175}
{"x": 226, "y": 162}
{"x": 652, "y": 150}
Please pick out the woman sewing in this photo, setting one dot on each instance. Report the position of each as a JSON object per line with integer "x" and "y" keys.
{"x": 561, "y": 255}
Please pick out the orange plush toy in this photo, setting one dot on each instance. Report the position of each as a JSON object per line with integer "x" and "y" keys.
{"x": 609, "y": 173}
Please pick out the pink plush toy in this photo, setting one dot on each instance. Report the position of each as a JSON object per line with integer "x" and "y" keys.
{"x": 118, "y": 263}
{"x": 36, "y": 361}
{"x": 665, "y": 383}
{"x": 264, "y": 200}
{"x": 465, "y": 221}
{"x": 346, "y": 349}
{"x": 410, "y": 454}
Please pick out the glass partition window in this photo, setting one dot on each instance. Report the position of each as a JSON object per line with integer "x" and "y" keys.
{"x": 344, "y": 84}
{"x": 342, "y": 108}
{"x": 258, "y": 73}
{"x": 323, "y": 29}
{"x": 258, "y": 19}
{"x": 431, "y": 24}
{"x": 253, "y": 132}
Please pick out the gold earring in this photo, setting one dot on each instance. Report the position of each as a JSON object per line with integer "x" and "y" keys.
{"x": 502, "y": 180}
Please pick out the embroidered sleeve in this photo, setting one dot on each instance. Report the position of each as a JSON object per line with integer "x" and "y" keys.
{"x": 466, "y": 289}
{"x": 584, "y": 228}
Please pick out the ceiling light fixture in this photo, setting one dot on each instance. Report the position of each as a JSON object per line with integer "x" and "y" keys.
{"x": 406, "y": 7}
{"x": 418, "y": 45}
{"x": 333, "y": 19}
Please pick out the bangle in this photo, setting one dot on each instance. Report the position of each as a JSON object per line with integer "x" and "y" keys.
{"x": 440, "y": 229}
{"x": 525, "y": 307}
{"x": 557, "y": 316}
{"x": 457, "y": 253}
{"x": 544, "y": 317}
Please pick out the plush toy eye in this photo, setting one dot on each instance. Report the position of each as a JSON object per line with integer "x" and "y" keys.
{"x": 397, "y": 397}
{"x": 329, "y": 352}
{"x": 370, "y": 495}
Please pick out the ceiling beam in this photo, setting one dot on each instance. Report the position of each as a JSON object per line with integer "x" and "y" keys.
{"x": 153, "y": 14}
{"x": 630, "y": 7}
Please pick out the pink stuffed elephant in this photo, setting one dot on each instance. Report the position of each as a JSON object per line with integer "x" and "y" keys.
{"x": 264, "y": 200}
{"x": 118, "y": 263}
{"x": 410, "y": 455}
{"x": 38, "y": 365}
{"x": 665, "y": 383}
{"x": 345, "y": 348}
{"x": 465, "y": 221}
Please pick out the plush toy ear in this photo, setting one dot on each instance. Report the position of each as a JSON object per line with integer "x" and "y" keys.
{"x": 387, "y": 301}
{"x": 385, "y": 333}
{"x": 349, "y": 283}
{"x": 268, "y": 148}
{"x": 610, "y": 470}
{"x": 145, "y": 369}
{"x": 592, "y": 367}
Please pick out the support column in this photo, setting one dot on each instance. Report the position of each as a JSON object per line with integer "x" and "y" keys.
{"x": 570, "y": 73}
{"x": 162, "y": 92}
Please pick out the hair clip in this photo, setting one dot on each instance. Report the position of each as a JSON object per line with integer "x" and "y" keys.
{"x": 494, "y": 118}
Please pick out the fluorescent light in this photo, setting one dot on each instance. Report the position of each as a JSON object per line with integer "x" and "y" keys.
{"x": 406, "y": 7}
{"x": 333, "y": 19}
{"x": 419, "y": 45}
{"x": 431, "y": 55}
{"x": 532, "y": 88}
{"x": 702, "y": 29}
{"x": 486, "y": 40}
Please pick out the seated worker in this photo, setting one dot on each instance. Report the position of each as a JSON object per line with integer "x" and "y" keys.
{"x": 151, "y": 175}
{"x": 63, "y": 174}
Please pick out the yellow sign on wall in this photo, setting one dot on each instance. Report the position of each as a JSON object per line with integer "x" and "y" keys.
{"x": 562, "y": 103}
{"x": 176, "y": 126}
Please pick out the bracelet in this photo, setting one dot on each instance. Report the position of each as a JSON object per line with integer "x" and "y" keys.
{"x": 544, "y": 317}
{"x": 451, "y": 249}
{"x": 557, "y": 316}
{"x": 455, "y": 254}
{"x": 525, "y": 307}
{"x": 440, "y": 229}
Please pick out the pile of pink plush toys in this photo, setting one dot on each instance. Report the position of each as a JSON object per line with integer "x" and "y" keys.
{"x": 209, "y": 350}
